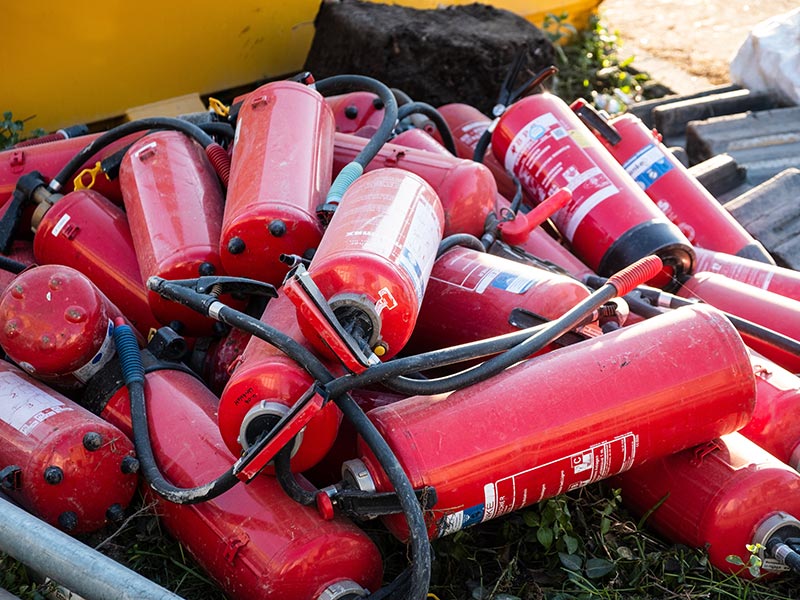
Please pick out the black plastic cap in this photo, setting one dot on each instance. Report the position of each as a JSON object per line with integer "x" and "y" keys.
{"x": 68, "y": 520}
{"x": 236, "y": 245}
{"x": 92, "y": 441}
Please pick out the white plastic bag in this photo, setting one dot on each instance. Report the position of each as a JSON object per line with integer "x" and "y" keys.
{"x": 769, "y": 59}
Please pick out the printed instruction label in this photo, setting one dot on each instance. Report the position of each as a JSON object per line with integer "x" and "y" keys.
{"x": 648, "y": 165}
{"x": 23, "y": 406}
{"x": 478, "y": 278}
{"x": 546, "y": 157}
{"x": 60, "y": 224}
{"x": 101, "y": 357}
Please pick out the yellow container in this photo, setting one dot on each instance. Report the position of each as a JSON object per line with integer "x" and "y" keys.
{"x": 84, "y": 61}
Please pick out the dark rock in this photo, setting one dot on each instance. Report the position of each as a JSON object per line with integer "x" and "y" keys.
{"x": 453, "y": 54}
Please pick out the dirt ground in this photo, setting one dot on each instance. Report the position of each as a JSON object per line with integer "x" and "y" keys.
{"x": 687, "y": 44}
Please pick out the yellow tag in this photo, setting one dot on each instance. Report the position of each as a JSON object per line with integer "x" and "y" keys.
{"x": 218, "y": 107}
{"x": 78, "y": 183}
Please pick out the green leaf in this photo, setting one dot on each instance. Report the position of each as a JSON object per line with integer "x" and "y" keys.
{"x": 598, "y": 567}
{"x": 545, "y": 537}
{"x": 571, "y": 543}
{"x": 734, "y": 560}
{"x": 531, "y": 519}
{"x": 571, "y": 562}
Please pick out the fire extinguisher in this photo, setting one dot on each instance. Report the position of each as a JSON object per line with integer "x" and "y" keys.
{"x": 85, "y": 231}
{"x": 723, "y": 496}
{"x": 264, "y": 385}
{"x": 365, "y": 284}
{"x": 465, "y": 188}
{"x": 253, "y": 540}
{"x": 778, "y": 280}
{"x": 471, "y": 295}
{"x": 775, "y": 425}
{"x": 773, "y": 311}
{"x": 57, "y": 325}
{"x": 355, "y": 111}
{"x": 280, "y": 174}
{"x": 59, "y": 461}
{"x": 670, "y": 185}
{"x": 610, "y": 222}
{"x": 215, "y": 358}
{"x": 567, "y": 419}
{"x": 167, "y": 173}
{"x": 467, "y": 125}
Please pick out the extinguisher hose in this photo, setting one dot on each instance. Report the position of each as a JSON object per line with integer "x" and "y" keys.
{"x": 286, "y": 479}
{"x": 435, "y": 116}
{"x": 460, "y": 239}
{"x": 784, "y": 553}
{"x": 69, "y": 170}
{"x": 482, "y": 145}
{"x": 11, "y": 265}
{"x": 133, "y": 374}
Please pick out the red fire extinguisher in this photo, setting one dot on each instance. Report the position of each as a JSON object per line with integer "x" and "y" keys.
{"x": 778, "y": 280}
{"x": 355, "y": 110}
{"x": 568, "y": 418}
{"x": 471, "y": 295}
{"x": 371, "y": 268}
{"x": 670, "y": 185}
{"x": 465, "y": 188}
{"x": 770, "y": 310}
{"x": 264, "y": 385}
{"x": 775, "y": 425}
{"x": 610, "y": 222}
{"x": 467, "y": 125}
{"x": 57, "y": 325}
{"x": 174, "y": 204}
{"x": 253, "y": 540}
{"x": 280, "y": 174}
{"x": 722, "y": 496}
{"x": 59, "y": 461}
{"x": 214, "y": 359}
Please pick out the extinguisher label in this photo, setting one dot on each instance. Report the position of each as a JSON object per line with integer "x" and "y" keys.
{"x": 419, "y": 249}
{"x": 101, "y": 357}
{"x": 546, "y": 157}
{"x": 472, "y": 132}
{"x": 60, "y": 225}
{"x": 23, "y": 405}
{"x": 739, "y": 272}
{"x": 648, "y": 165}
{"x": 478, "y": 277}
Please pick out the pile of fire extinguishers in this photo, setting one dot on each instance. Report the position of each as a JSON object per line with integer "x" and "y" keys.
{"x": 352, "y": 307}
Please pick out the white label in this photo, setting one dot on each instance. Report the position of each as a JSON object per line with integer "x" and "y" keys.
{"x": 60, "y": 225}
{"x": 103, "y": 355}
{"x": 23, "y": 406}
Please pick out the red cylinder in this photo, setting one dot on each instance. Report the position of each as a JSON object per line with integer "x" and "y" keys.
{"x": 465, "y": 188}
{"x": 280, "y": 174}
{"x": 471, "y": 294}
{"x": 677, "y": 193}
{"x": 717, "y": 496}
{"x": 215, "y": 358}
{"x": 775, "y": 425}
{"x": 168, "y": 174}
{"x": 253, "y": 540}
{"x": 759, "y": 306}
{"x": 264, "y": 384}
{"x": 569, "y": 418}
{"x": 377, "y": 255}
{"x": 777, "y": 280}
{"x": 85, "y": 231}
{"x": 467, "y": 125}
{"x": 57, "y": 325}
{"x": 355, "y": 110}
{"x": 61, "y": 462}
{"x": 421, "y": 140}
{"x": 610, "y": 222}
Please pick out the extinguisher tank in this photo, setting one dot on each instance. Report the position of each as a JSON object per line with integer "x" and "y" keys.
{"x": 280, "y": 174}
{"x": 174, "y": 205}
{"x": 610, "y": 222}
{"x": 61, "y": 462}
{"x": 775, "y": 425}
{"x": 57, "y": 325}
{"x": 214, "y": 359}
{"x": 373, "y": 264}
{"x": 465, "y": 188}
{"x": 355, "y": 111}
{"x": 253, "y": 540}
{"x": 770, "y": 310}
{"x": 471, "y": 294}
{"x": 722, "y": 496}
{"x": 85, "y": 231}
{"x": 262, "y": 388}
{"x": 569, "y": 418}
{"x": 676, "y": 192}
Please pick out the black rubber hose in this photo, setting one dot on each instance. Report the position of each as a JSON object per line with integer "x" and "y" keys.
{"x": 112, "y": 135}
{"x": 339, "y": 84}
{"x": 435, "y": 116}
{"x": 784, "y": 553}
{"x": 219, "y": 129}
{"x": 286, "y": 479}
{"x": 482, "y": 145}
{"x": 401, "y": 97}
{"x": 460, "y": 239}
{"x": 11, "y": 265}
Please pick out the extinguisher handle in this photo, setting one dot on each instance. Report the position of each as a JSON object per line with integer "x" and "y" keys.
{"x": 640, "y": 272}
{"x": 592, "y": 118}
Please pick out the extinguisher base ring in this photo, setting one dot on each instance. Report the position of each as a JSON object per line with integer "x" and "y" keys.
{"x": 652, "y": 237}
